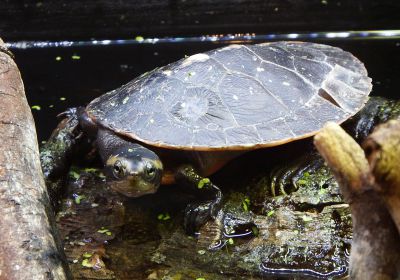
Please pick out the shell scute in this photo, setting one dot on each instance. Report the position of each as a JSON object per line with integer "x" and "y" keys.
{"x": 237, "y": 97}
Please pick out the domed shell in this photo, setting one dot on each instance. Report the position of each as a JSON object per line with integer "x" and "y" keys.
{"x": 237, "y": 97}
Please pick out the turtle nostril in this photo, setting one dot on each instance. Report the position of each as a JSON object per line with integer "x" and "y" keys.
{"x": 134, "y": 173}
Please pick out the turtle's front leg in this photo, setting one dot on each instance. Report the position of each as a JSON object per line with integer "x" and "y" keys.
{"x": 57, "y": 152}
{"x": 197, "y": 214}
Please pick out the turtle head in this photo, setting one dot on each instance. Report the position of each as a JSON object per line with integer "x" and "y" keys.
{"x": 134, "y": 170}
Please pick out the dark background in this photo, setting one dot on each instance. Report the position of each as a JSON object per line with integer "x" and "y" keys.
{"x": 85, "y": 19}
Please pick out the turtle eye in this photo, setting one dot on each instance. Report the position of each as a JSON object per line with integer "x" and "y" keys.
{"x": 150, "y": 170}
{"x": 118, "y": 169}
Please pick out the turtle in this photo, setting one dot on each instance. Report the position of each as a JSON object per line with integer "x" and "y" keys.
{"x": 182, "y": 122}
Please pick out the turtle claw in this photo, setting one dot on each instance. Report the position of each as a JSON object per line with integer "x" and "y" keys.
{"x": 196, "y": 215}
{"x": 70, "y": 112}
{"x": 284, "y": 180}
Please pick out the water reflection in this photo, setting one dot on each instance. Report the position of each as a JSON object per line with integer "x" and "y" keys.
{"x": 216, "y": 38}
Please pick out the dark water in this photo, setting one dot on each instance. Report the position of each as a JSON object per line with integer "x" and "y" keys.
{"x": 57, "y": 78}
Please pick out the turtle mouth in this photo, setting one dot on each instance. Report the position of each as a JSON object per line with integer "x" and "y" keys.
{"x": 133, "y": 186}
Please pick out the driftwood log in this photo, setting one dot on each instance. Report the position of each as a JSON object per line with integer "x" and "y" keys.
{"x": 375, "y": 252}
{"x": 28, "y": 247}
{"x": 383, "y": 152}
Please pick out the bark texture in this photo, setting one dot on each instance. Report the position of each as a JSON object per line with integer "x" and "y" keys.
{"x": 27, "y": 237}
{"x": 375, "y": 252}
{"x": 383, "y": 152}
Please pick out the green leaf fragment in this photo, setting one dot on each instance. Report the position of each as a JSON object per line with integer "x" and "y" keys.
{"x": 91, "y": 169}
{"x": 255, "y": 230}
{"x": 163, "y": 217}
{"x": 246, "y": 204}
{"x": 306, "y": 218}
{"x": 86, "y": 255}
{"x": 322, "y": 191}
{"x": 201, "y": 278}
{"x": 79, "y": 198}
{"x": 102, "y": 230}
{"x": 63, "y": 98}
{"x": 74, "y": 174}
{"x": 203, "y": 182}
{"x": 270, "y": 213}
{"x": 302, "y": 182}
{"x": 139, "y": 39}
{"x": 75, "y": 57}
{"x": 86, "y": 263}
{"x": 58, "y": 58}
{"x": 36, "y": 107}
{"x": 230, "y": 241}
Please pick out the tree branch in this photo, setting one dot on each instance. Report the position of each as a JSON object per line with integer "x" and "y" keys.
{"x": 376, "y": 242}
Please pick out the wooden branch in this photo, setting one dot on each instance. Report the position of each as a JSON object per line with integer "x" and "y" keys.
{"x": 382, "y": 148}
{"x": 27, "y": 245}
{"x": 376, "y": 242}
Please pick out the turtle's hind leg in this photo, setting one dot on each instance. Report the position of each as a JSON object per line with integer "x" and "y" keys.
{"x": 197, "y": 214}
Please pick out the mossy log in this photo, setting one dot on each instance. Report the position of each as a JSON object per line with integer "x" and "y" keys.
{"x": 28, "y": 248}
{"x": 375, "y": 252}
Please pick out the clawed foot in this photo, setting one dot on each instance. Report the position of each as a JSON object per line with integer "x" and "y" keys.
{"x": 69, "y": 113}
{"x": 287, "y": 179}
{"x": 225, "y": 227}
{"x": 209, "y": 198}
{"x": 197, "y": 214}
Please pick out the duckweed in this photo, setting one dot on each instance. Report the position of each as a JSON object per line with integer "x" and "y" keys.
{"x": 203, "y": 182}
